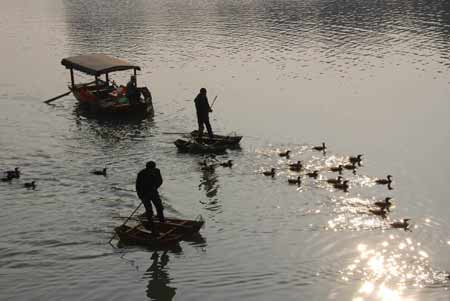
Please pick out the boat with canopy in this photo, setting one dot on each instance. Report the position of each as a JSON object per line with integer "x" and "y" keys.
{"x": 103, "y": 96}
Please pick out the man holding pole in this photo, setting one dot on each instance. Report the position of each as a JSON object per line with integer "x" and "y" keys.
{"x": 203, "y": 110}
{"x": 147, "y": 183}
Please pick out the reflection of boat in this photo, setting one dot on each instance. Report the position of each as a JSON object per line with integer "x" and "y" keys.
{"x": 100, "y": 96}
{"x": 190, "y": 146}
{"x": 181, "y": 226}
{"x": 139, "y": 235}
{"x": 230, "y": 140}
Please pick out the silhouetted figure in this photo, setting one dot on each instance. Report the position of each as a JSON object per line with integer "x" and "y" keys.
{"x": 147, "y": 183}
{"x": 132, "y": 92}
{"x": 203, "y": 110}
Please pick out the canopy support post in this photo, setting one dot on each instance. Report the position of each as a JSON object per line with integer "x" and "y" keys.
{"x": 71, "y": 78}
{"x": 107, "y": 79}
{"x": 135, "y": 76}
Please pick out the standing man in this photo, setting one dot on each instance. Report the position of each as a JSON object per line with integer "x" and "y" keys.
{"x": 147, "y": 183}
{"x": 132, "y": 93}
{"x": 203, "y": 110}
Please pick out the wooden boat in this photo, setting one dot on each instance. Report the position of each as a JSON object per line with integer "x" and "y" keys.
{"x": 139, "y": 235}
{"x": 182, "y": 226}
{"x": 230, "y": 140}
{"x": 104, "y": 96}
{"x": 191, "y": 146}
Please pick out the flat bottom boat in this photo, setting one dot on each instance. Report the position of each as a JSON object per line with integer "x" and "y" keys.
{"x": 229, "y": 140}
{"x": 183, "y": 226}
{"x": 194, "y": 147}
{"x": 139, "y": 235}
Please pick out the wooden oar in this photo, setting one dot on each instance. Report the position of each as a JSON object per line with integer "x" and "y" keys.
{"x": 213, "y": 102}
{"x": 126, "y": 221}
{"x": 57, "y": 97}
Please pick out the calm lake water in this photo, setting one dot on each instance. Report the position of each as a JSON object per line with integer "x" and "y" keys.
{"x": 369, "y": 77}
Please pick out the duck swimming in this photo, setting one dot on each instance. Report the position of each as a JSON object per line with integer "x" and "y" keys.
{"x": 13, "y": 174}
{"x": 228, "y": 163}
{"x": 270, "y": 173}
{"x": 388, "y": 180}
{"x": 335, "y": 181}
{"x": 379, "y": 212}
{"x": 386, "y": 204}
{"x": 342, "y": 186}
{"x": 404, "y": 224}
{"x": 285, "y": 154}
{"x": 7, "y": 179}
{"x": 351, "y": 167}
{"x": 100, "y": 172}
{"x": 337, "y": 169}
{"x": 297, "y": 181}
{"x": 296, "y": 166}
{"x": 313, "y": 174}
{"x": 356, "y": 160}
{"x": 320, "y": 148}
{"x": 30, "y": 185}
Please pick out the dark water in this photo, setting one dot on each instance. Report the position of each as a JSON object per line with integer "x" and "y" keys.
{"x": 366, "y": 77}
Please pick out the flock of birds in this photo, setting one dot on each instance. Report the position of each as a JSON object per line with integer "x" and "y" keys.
{"x": 379, "y": 208}
{"x": 10, "y": 175}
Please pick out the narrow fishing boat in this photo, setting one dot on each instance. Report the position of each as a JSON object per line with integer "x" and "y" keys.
{"x": 229, "y": 140}
{"x": 139, "y": 235}
{"x": 182, "y": 226}
{"x": 104, "y": 96}
{"x": 194, "y": 147}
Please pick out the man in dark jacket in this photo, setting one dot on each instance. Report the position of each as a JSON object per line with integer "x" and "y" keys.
{"x": 147, "y": 183}
{"x": 132, "y": 92}
{"x": 203, "y": 110}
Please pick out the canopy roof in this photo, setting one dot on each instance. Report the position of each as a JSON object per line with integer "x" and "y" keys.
{"x": 97, "y": 64}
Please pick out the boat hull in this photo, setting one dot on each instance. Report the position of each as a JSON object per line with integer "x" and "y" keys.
{"x": 199, "y": 148}
{"x": 107, "y": 105}
{"x": 230, "y": 140}
{"x": 139, "y": 235}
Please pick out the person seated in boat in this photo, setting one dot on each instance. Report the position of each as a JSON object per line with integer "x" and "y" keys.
{"x": 147, "y": 183}
{"x": 203, "y": 109}
{"x": 132, "y": 91}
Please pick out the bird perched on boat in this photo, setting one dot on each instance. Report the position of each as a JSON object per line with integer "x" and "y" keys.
{"x": 269, "y": 173}
{"x": 404, "y": 224}
{"x": 337, "y": 169}
{"x": 285, "y": 154}
{"x": 356, "y": 160}
{"x": 228, "y": 163}
{"x": 351, "y": 167}
{"x": 388, "y": 180}
{"x": 313, "y": 174}
{"x": 386, "y": 204}
{"x": 13, "y": 174}
{"x": 297, "y": 181}
{"x": 320, "y": 148}
{"x": 31, "y": 185}
{"x": 378, "y": 212}
{"x": 99, "y": 172}
{"x": 296, "y": 166}
{"x": 335, "y": 181}
{"x": 342, "y": 186}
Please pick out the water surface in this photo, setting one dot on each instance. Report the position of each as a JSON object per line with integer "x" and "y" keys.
{"x": 366, "y": 77}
